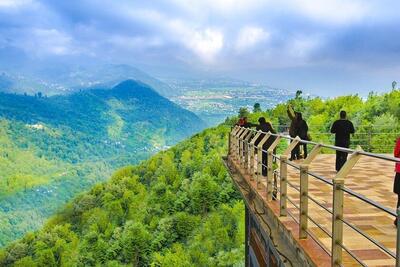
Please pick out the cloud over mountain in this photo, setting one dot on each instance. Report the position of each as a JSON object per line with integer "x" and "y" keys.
{"x": 230, "y": 36}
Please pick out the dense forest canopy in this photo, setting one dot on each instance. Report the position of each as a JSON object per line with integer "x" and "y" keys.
{"x": 375, "y": 118}
{"x": 179, "y": 208}
{"x": 52, "y": 148}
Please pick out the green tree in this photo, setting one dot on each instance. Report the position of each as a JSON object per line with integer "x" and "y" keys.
{"x": 256, "y": 108}
{"x": 135, "y": 244}
{"x": 298, "y": 94}
{"x": 243, "y": 112}
{"x": 204, "y": 193}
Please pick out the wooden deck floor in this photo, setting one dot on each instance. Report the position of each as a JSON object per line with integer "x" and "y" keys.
{"x": 370, "y": 177}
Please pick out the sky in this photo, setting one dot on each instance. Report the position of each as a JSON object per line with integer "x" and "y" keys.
{"x": 325, "y": 47}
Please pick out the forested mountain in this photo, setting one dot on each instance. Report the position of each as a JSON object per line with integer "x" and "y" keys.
{"x": 53, "y": 147}
{"x": 33, "y": 77}
{"x": 179, "y": 208}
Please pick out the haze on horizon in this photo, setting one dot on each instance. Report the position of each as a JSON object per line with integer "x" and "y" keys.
{"x": 326, "y": 47}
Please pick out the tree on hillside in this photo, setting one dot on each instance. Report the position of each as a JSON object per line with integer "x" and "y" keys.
{"x": 256, "y": 108}
{"x": 394, "y": 85}
{"x": 243, "y": 112}
{"x": 298, "y": 94}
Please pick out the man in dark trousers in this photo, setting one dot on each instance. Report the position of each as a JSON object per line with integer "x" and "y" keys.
{"x": 265, "y": 127}
{"x": 342, "y": 129}
{"x": 293, "y": 131}
{"x": 302, "y": 132}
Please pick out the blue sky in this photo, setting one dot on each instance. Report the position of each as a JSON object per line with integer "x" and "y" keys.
{"x": 325, "y": 47}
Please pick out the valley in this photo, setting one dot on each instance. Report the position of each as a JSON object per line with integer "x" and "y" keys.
{"x": 55, "y": 147}
{"x": 215, "y": 100}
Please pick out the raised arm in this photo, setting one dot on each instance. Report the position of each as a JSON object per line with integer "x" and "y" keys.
{"x": 290, "y": 112}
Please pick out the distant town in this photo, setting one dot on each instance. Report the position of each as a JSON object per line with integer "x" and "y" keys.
{"x": 214, "y": 101}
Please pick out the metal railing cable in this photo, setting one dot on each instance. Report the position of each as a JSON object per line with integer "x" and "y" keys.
{"x": 311, "y": 198}
{"x": 371, "y": 202}
{"x": 372, "y": 240}
{"x": 310, "y": 233}
{"x": 336, "y": 148}
{"x": 353, "y": 255}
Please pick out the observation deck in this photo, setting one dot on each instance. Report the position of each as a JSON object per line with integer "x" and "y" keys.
{"x": 304, "y": 213}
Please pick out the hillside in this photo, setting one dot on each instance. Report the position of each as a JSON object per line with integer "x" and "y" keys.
{"x": 54, "y": 147}
{"x": 31, "y": 77}
{"x": 178, "y": 208}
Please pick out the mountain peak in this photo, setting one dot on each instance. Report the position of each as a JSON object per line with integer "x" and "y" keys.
{"x": 133, "y": 86}
{"x": 129, "y": 82}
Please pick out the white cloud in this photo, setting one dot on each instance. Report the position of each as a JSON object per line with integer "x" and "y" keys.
{"x": 234, "y": 5}
{"x": 14, "y": 3}
{"x": 135, "y": 42}
{"x": 51, "y": 41}
{"x": 222, "y": 7}
{"x": 302, "y": 47}
{"x": 331, "y": 11}
{"x": 249, "y": 37}
{"x": 204, "y": 43}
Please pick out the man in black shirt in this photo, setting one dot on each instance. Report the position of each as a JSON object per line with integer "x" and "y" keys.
{"x": 302, "y": 132}
{"x": 342, "y": 129}
{"x": 265, "y": 127}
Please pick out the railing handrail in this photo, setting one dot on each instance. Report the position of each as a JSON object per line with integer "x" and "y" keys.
{"x": 333, "y": 147}
{"x": 342, "y": 188}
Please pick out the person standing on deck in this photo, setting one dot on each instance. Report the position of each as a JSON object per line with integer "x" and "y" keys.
{"x": 246, "y": 124}
{"x": 265, "y": 127}
{"x": 396, "y": 186}
{"x": 302, "y": 132}
{"x": 342, "y": 129}
{"x": 293, "y": 116}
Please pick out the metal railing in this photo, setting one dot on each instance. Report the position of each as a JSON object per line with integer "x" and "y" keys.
{"x": 364, "y": 136}
{"x": 242, "y": 149}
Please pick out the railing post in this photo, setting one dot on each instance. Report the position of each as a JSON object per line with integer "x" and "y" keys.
{"x": 259, "y": 157}
{"x": 244, "y": 148}
{"x": 247, "y": 150}
{"x": 283, "y": 185}
{"x": 234, "y": 140}
{"x": 252, "y": 155}
{"x": 259, "y": 164}
{"x": 398, "y": 239}
{"x": 270, "y": 170}
{"x": 241, "y": 146}
{"x": 303, "y": 201}
{"x": 270, "y": 173}
{"x": 293, "y": 143}
{"x": 337, "y": 223}
{"x": 237, "y": 144}
{"x": 231, "y": 139}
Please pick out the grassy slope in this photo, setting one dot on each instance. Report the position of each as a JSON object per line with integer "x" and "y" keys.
{"x": 177, "y": 207}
